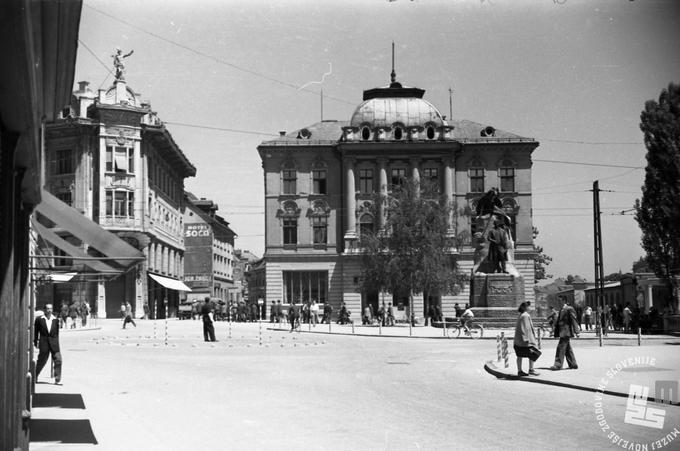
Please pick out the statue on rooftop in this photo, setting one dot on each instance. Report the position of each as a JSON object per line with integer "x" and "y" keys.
{"x": 118, "y": 63}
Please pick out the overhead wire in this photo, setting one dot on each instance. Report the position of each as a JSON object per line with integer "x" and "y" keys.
{"x": 214, "y": 58}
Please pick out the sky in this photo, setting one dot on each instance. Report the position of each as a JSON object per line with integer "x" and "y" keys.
{"x": 226, "y": 75}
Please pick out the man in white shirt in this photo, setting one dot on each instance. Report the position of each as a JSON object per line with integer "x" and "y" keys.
{"x": 46, "y": 339}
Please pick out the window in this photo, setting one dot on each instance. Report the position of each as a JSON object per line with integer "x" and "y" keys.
{"x": 303, "y": 286}
{"x": 319, "y": 181}
{"x": 398, "y": 176}
{"x": 366, "y": 224}
{"x": 431, "y": 175}
{"x": 289, "y": 181}
{"x": 65, "y": 197}
{"x": 120, "y": 159}
{"x": 476, "y": 180}
{"x": 366, "y": 181}
{"x": 289, "y": 231}
{"x": 320, "y": 227}
{"x": 63, "y": 161}
{"x": 120, "y": 203}
{"x": 507, "y": 176}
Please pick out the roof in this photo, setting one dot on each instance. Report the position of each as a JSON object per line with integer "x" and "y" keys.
{"x": 324, "y": 132}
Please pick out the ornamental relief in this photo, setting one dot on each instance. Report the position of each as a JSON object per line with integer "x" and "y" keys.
{"x": 119, "y": 181}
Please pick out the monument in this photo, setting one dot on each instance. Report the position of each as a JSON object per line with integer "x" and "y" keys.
{"x": 497, "y": 288}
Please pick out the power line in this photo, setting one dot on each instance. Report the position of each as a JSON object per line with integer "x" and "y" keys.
{"x": 232, "y": 130}
{"x": 214, "y": 58}
{"x": 590, "y": 164}
{"x": 109, "y": 71}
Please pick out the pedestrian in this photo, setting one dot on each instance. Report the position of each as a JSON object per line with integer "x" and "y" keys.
{"x": 279, "y": 311}
{"x": 293, "y": 316}
{"x": 566, "y": 327}
{"x": 73, "y": 313}
{"x": 122, "y": 310}
{"x": 524, "y": 342}
{"x": 63, "y": 314}
{"x": 314, "y": 311}
{"x": 587, "y": 316}
{"x": 207, "y": 315}
{"x": 381, "y": 314}
{"x": 85, "y": 312}
{"x": 145, "y": 307}
{"x": 366, "y": 320}
{"x": 430, "y": 315}
{"x": 128, "y": 315}
{"x": 272, "y": 313}
{"x": 627, "y": 316}
{"x": 46, "y": 339}
{"x": 327, "y": 312}
{"x": 390, "y": 314}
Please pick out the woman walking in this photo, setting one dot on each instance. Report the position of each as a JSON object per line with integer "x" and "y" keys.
{"x": 525, "y": 341}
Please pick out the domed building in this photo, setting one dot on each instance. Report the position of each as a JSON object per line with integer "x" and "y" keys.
{"x": 320, "y": 182}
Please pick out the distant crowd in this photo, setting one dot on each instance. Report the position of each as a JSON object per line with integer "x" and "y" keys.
{"x": 613, "y": 318}
{"x": 74, "y": 314}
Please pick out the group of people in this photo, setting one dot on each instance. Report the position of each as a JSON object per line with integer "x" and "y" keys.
{"x": 612, "y": 318}
{"x": 74, "y": 313}
{"x": 385, "y": 316}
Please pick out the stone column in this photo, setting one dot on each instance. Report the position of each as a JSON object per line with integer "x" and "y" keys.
{"x": 448, "y": 192}
{"x": 101, "y": 300}
{"x": 350, "y": 200}
{"x": 382, "y": 178}
{"x": 415, "y": 174}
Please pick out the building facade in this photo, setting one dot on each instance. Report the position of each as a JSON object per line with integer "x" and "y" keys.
{"x": 110, "y": 157}
{"x": 320, "y": 183}
{"x": 209, "y": 251}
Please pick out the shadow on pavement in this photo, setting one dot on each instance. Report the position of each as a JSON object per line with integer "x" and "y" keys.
{"x": 61, "y": 400}
{"x": 64, "y": 431}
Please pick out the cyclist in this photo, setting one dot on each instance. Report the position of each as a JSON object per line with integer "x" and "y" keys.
{"x": 466, "y": 318}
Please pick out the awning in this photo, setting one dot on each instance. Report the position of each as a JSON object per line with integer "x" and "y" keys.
{"x": 118, "y": 254}
{"x": 168, "y": 282}
{"x": 61, "y": 277}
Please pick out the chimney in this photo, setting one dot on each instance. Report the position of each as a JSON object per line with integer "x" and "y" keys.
{"x": 83, "y": 86}
{"x": 282, "y": 133}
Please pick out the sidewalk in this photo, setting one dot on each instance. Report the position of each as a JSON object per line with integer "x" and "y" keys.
{"x": 611, "y": 369}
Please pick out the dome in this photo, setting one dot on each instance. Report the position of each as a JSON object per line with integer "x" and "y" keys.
{"x": 388, "y": 111}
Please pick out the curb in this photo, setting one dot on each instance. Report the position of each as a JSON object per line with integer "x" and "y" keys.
{"x": 359, "y": 334}
{"x": 490, "y": 368}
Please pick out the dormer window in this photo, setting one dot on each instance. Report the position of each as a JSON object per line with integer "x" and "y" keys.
{"x": 365, "y": 133}
{"x": 398, "y": 133}
{"x": 430, "y": 132}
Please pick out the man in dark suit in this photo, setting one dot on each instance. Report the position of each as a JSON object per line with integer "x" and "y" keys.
{"x": 46, "y": 339}
{"x": 207, "y": 313}
{"x": 566, "y": 326}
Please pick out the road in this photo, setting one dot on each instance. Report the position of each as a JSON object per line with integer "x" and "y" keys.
{"x": 309, "y": 392}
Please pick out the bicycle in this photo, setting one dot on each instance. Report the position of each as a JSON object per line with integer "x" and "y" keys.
{"x": 474, "y": 330}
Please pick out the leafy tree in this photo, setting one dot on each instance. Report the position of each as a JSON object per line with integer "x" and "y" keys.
{"x": 413, "y": 253}
{"x": 541, "y": 260}
{"x": 658, "y": 212}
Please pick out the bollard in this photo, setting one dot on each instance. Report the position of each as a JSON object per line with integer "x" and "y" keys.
{"x": 379, "y": 327}
{"x": 155, "y": 317}
{"x": 498, "y": 347}
{"x": 639, "y": 336}
{"x": 539, "y": 339}
{"x": 444, "y": 326}
{"x": 166, "y": 324}
{"x": 352, "y": 323}
{"x": 260, "y": 332}
{"x": 504, "y": 347}
{"x": 229, "y": 330}
{"x": 329, "y": 324}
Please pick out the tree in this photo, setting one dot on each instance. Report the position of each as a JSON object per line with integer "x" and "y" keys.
{"x": 658, "y": 212}
{"x": 541, "y": 260}
{"x": 413, "y": 252}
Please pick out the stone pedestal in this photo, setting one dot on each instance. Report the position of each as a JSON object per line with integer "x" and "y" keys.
{"x": 496, "y": 295}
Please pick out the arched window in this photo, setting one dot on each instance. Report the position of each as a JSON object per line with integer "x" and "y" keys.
{"x": 319, "y": 219}
{"x": 289, "y": 220}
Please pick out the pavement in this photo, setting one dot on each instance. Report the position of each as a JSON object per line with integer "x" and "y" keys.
{"x": 349, "y": 389}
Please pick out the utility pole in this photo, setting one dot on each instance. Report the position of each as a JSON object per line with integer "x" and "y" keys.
{"x": 599, "y": 270}
{"x": 450, "y": 104}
